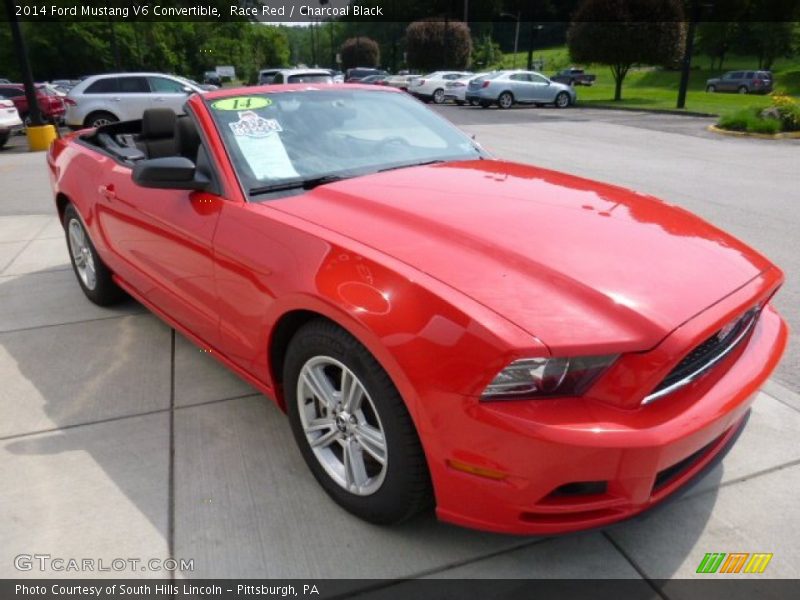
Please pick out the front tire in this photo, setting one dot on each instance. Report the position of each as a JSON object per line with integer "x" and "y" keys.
{"x": 93, "y": 275}
{"x": 352, "y": 426}
{"x": 562, "y": 100}
{"x": 505, "y": 100}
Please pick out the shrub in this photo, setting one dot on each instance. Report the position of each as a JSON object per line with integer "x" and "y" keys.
{"x": 788, "y": 109}
{"x": 434, "y": 44}
{"x": 751, "y": 121}
{"x": 739, "y": 120}
{"x": 360, "y": 52}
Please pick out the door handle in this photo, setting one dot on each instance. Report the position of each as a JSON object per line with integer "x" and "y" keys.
{"x": 116, "y": 99}
{"x": 158, "y": 99}
{"x": 107, "y": 191}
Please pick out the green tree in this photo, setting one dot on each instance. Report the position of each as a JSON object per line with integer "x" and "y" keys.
{"x": 486, "y": 53}
{"x": 621, "y": 33}
{"x": 437, "y": 44}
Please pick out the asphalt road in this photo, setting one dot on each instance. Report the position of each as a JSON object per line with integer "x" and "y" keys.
{"x": 748, "y": 187}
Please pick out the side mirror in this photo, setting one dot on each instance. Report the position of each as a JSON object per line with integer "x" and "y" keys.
{"x": 169, "y": 173}
{"x": 187, "y": 90}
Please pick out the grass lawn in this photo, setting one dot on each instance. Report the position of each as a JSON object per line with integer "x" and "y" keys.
{"x": 654, "y": 88}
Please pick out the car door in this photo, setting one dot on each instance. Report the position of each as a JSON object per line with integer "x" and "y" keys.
{"x": 541, "y": 89}
{"x": 167, "y": 93}
{"x": 519, "y": 84}
{"x": 162, "y": 245}
{"x": 732, "y": 81}
{"x": 132, "y": 97}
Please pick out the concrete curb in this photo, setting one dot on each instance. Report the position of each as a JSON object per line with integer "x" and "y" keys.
{"x": 667, "y": 111}
{"x": 787, "y": 135}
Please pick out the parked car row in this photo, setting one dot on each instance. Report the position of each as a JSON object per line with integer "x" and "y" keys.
{"x": 102, "y": 99}
{"x": 502, "y": 88}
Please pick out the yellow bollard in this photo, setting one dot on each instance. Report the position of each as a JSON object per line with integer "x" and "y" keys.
{"x": 40, "y": 138}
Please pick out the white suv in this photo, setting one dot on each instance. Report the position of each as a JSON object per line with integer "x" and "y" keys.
{"x": 432, "y": 86}
{"x": 103, "y": 99}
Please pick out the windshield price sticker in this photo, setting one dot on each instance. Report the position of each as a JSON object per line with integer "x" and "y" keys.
{"x": 241, "y": 103}
{"x": 252, "y": 125}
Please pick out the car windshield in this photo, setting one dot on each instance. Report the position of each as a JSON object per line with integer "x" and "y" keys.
{"x": 287, "y": 140}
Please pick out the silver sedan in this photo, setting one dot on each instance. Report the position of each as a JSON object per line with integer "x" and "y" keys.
{"x": 507, "y": 88}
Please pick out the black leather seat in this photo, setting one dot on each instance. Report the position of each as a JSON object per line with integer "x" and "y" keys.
{"x": 158, "y": 133}
{"x": 187, "y": 140}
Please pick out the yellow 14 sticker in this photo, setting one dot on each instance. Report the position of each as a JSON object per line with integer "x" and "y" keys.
{"x": 241, "y": 103}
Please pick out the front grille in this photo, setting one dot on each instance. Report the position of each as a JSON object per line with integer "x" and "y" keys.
{"x": 706, "y": 355}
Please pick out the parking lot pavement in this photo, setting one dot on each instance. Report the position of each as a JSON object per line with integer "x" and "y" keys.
{"x": 121, "y": 439}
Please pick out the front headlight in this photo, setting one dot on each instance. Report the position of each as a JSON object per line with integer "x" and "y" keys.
{"x": 547, "y": 377}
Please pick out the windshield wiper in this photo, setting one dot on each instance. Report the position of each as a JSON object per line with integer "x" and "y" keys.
{"x": 304, "y": 184}
{"x": 415, "y": 164}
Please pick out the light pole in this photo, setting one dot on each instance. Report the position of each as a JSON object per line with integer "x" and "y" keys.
{"x": 535, "y": 29}
{"x": 517, "y": 17}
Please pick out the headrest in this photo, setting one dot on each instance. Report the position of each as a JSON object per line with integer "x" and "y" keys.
{"x": 187, "y": 139}
{"x": 158, "y": 123}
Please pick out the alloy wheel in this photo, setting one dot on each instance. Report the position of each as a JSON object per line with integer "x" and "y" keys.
{"x": 82, "y": 254}
{"x": 342, "y": 425}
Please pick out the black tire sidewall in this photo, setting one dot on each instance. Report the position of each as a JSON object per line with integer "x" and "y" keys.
{"x": 105, "y": 292}
{"x": 100, "y": 113}
{"x": 395, "y": 500}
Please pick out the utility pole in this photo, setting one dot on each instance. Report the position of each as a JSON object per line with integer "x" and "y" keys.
{"x": 534, "y": 33}
{"x": 518, "y": 17}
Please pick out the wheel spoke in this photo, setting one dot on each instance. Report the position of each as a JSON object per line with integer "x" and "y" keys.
{"x": 318, "y": 383}
{"x": 352, "y": 392}
{"x": 354, "y": 468}
{"x": 325, "y": 440}
{"x": 319, "y": 425}
{"x": 372, "y": 441}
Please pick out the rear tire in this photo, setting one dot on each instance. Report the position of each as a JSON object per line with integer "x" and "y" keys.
{"x": 324, "y": 363}
{"x": 4, "y": 138}
{"x": 711, "y": 89}
{"x": 743, "y": 89}
{"x": 505, "y": 100}
{"x": 94, "y": 277}
{"x": 100, "y": 118}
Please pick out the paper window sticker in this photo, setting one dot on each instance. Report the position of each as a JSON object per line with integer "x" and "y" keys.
{"x": 266, "y": 157}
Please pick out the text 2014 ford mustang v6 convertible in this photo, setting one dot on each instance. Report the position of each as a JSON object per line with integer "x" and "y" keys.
{"x": 529, "y": 351}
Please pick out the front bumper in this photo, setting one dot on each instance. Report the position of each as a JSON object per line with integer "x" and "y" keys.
{"x": 572, "y": 464}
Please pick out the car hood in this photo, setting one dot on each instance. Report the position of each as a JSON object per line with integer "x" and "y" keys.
{"x": 580, "y": 265}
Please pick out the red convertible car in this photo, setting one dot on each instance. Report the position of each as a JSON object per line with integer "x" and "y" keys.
{"x": 529, "y": 351}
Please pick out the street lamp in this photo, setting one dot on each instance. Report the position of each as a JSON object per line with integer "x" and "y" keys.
{"x": 517, "y": 17}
